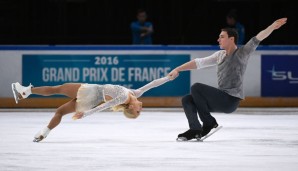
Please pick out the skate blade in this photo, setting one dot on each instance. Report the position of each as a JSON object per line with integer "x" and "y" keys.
{"x": 180, "y": 139}
{"x": 15, "y": 93}
{"x": 38, "y": 139}
{"x": 212, "y": 132}
{"x": 183, "y": 139}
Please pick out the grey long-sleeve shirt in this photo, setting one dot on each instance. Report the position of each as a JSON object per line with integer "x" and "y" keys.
{"x": 230, "y": 68}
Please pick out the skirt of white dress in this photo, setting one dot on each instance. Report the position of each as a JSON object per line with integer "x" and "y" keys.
{"x": 89, "y": 96}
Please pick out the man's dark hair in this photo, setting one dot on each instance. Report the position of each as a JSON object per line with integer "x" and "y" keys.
{"x": 231, "y": 33}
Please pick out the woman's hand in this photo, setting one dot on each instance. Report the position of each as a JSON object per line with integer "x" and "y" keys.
{"x": 173, "y": 74}
{"x": 78, "y": 115}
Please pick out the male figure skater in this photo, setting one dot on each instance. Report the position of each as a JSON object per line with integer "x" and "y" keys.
{"x": 231, "y": 64}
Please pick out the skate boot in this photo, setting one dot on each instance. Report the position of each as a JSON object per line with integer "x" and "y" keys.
{"x": 190, "y": 134}
{"x": 20, "y": 92}
{"x": 42, "y": 134}
{"x": 207, "y": 128}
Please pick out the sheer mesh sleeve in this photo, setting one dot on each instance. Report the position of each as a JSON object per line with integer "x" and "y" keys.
{"x": 152, "y": 84}
{"x": 207, "y": 61}
{"x": 111, "y": 103}
{"x": 249, "y": 47}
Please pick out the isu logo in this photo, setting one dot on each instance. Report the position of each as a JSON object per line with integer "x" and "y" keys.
{"x": 283, "y": 76}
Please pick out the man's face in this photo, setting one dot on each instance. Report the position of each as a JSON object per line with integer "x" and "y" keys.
{"x": 142, "y": 17}
{"x": 224, "y": 40}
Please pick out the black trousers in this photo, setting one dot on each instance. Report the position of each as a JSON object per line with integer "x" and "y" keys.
{"x": 205, "y": 99}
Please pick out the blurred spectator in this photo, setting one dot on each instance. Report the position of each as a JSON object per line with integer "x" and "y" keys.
{"x": 233, "y": 22}
{"x": 141, "y": 29}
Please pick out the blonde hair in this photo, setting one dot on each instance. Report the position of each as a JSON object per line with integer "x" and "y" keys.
{"x": 126, "y": 111}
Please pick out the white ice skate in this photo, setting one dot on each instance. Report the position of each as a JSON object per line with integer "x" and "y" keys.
{"x": 42, "y": 134}
{"x": 20, "y": 92}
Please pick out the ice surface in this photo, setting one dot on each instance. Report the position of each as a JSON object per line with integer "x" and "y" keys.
{"x": 109, "y": 141}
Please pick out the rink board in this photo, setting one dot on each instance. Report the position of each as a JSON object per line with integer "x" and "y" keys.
{"x": 255, "y": 89}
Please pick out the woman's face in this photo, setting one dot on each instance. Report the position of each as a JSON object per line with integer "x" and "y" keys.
{"x": 136, "y": 107}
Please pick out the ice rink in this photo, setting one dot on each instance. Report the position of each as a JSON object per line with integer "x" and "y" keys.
{"x": 263, "y": 140}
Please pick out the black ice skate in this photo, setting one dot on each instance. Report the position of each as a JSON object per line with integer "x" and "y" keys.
{"x": 207, "y": 128}
{"x": 190, "y": 134}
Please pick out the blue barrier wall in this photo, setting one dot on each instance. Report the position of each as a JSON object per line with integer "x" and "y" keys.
{"x": 27, "y": 64}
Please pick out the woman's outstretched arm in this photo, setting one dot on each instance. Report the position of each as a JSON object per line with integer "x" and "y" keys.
{"x": 155, "y": 83}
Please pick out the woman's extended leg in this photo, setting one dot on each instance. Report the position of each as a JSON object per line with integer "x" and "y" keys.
{"x": 67, "y": 89}
{"x": 66, "y": 108}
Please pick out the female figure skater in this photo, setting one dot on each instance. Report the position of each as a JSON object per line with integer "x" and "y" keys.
{"x": 87, "y": 99}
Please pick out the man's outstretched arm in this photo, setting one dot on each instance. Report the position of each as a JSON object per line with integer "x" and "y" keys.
{"x": 184, "y": 67}
{"x": 275, "y": 25}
